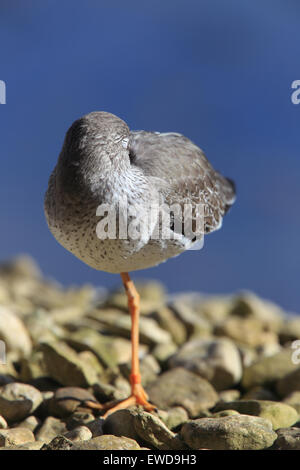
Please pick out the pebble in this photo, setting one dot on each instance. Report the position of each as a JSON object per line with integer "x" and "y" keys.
{"x": 268, "y": 370}
{"x": 174, "y": 417}
{"x": 120, "y": 323}
{"x": 142, "y": 427}
{"x": 249, "y": 305}
{"x": 3, "y": 423}
{"x": 102, "y": 346}
{"x": 249, "y": 331}
{"x": 288, "y": 439}
{"x": 17, "y": 401}
{"x": 167, "y": 320}
{"x": 67, "y": 399}
{"x": 217, "y": 360}
{"x": 196, "y": 325}
{"x": 14, "y": 333}
{"x": 229, "y": 395}
{"x": 58, "y": 443}
{"x": 279, "y": 414}
{"x": 180, "y": 387}
{"x": 64, "y": 366}
{"x": 236, "y": 432}
{"x": 96, "y": 427}
{"x": 162, "y": 352}
{"x": 108, "y": 442}
{"x": 82, "y": 433}
{"x": 15, "y": 436}
{"x": 32, "y": 423}
{"x": 79, "y": 418}
{"x": 36, "y": 445}
{"x": 50, "y": 428}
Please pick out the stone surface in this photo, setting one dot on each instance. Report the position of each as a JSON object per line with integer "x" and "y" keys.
{"x": 143, "y": 427}
{"x": 154, "y": 432}
{"x": 82, "y": 433}
{"x": 288, "y": 439}
{"x": 215, "y": 308}
{"x": 108, "y": 442}
{"x": 15, "y": 436}
{"x": 33, "y": 367}
{"x": 249, "y": 305}
{"x": 229, "y": 395}
{"x": 120, "y": 323}
{"x": 3, "y": 423}
{"x": 79, "y": 418}
{"x": 180, "y": 387}
{"x": 50, "y": 428}
{"x": 217, "y": 360}
{"x": 14, "y": 333}
{"x": 268, "y": 370}
{"x": 67, "y": 399}
{"x": 162, "y": 352}
{"x": 64, "y": 366}
{"x": 96, "y": 427}
{"x": 249, "y": 331}
{"x": 59, "y": 443}
{"x": 89, "y": 339}
{"x": 237, "y": 432}
{"x": 196, "y": 325}
{"x": 175, "y": 417}
{"x": 36, "y": 445}
{"x": 279, "y": 414}
{"x": 32, "y": 422}
{"x": 167, "y": 320}
{"x": 18, "y": 400}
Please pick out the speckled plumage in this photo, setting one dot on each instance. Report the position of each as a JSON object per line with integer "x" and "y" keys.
{"x": 102, "y": 162}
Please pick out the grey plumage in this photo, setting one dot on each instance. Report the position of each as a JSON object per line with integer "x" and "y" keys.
{"x": 102, "y": 161}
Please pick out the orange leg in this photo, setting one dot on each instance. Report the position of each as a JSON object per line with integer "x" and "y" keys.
{"x": 138, "y": 395}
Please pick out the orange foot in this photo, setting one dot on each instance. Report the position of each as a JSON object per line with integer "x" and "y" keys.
{"x": 138, "y": 397}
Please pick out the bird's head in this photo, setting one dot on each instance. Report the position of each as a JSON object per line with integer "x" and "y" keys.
{"x": 95, "y": 145}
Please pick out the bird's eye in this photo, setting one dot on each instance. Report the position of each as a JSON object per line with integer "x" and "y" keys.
{"x": 125, "y": 142}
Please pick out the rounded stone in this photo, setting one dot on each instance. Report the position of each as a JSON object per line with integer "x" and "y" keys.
{"x": 67, "y": 399}
{"x": 15, "y": 436}
{"x": 180, "y": 387}
{"x": 217, "y": 360}
{"x": 279, "y": 414}
{"x": 236, "y": 432}
{"x": 14, "y": 333}
{"x": 108, "y": 442}
{"x": 82, "y": 433}
{"x": 268, "y": 370}
{"x": 17, "y": 401}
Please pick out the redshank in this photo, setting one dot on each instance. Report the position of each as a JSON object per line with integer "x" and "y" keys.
{"x": 105, "y": 168}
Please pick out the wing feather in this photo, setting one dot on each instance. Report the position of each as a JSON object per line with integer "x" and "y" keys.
{"x": 183, "y": 173}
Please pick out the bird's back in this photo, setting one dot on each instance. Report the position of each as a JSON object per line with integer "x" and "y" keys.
{"x": 184, "y": 173}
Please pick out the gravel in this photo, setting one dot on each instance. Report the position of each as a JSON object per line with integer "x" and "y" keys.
{"x": 219, "y": 369}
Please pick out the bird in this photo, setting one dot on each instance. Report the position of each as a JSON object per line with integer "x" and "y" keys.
{"x": 105, "y": 168}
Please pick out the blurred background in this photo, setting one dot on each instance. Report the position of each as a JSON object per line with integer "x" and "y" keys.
{"x": 218, "y": 72}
